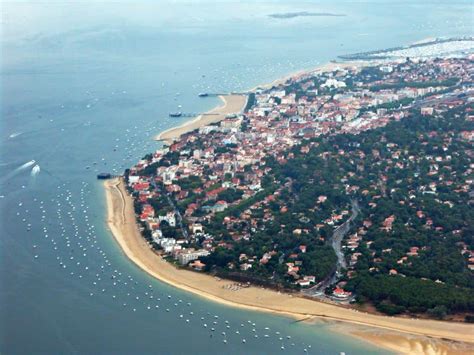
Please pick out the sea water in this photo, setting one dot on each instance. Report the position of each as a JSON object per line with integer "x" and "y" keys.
{"x": 84, "y": 89}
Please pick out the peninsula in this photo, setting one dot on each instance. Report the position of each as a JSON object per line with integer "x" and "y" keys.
{"x": 326, "y": 197}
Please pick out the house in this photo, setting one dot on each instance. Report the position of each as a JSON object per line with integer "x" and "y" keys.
{"x": 197, "y": 265}
{"x": 303, "y": 283}
{"x": 220, "y": 206}
{"x": 190, "y": 209}
{"x": 340, "y": 294}
{"x": 140, "y": 186}
{"x": 413, "y": 251}
{"x": 245, "y": 266}
{"x": 169, "y": 218}
{"x": 212, "y": 195}
{"x": 322, "y": 199}
{"x": 426, "y": 111}
{"x": 196, "y": 228}
{"x": 387, "y": 223}
{"x": 334, "y": 83}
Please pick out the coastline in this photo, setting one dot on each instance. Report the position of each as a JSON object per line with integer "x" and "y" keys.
{"x": 236, "y": 103}
{"x": 416, "y": 332}
{"x": 231, "y": 104}
{"x": 321, "y": 68}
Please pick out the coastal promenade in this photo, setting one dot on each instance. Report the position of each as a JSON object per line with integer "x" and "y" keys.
{"x": 232, "y": 104}
{"x": 412, "y": 335}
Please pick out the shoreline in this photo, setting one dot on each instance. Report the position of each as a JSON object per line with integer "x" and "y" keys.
{"x": 122, "y": 223}
{"x": 320, "y": 68}
{"x": 232, "y": 104}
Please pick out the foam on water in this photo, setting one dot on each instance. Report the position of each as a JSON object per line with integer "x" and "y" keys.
{"x": 36, "y": 170}
{"x": 26, "y": 165}
{"x": 14, "y": 135}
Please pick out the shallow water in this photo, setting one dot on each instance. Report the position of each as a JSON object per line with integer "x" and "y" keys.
{"x": 84, "y": 89}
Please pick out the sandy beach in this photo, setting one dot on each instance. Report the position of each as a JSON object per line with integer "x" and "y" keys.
{"x": 236, "y": 103}
{"x": 231, "y": 104}
{"x": 416, "y": 333}
{"x": 322, "y": 68}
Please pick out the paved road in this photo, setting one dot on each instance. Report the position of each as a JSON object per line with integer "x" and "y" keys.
{"x": 339, "y": 234}
{"x": 336, "y": 243}
{"x": 341, "y": 231}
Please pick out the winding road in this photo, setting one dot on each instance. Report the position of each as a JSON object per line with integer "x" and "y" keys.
{"x": 336, "y": 241}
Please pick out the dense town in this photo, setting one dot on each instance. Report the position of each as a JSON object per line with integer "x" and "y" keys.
{"x": 354, "y": 183}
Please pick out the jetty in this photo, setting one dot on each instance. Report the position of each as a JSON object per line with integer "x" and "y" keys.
{"x": 191, "y": 114}
{"x": 106, "y": 176}
{"x": 214, "y": 94}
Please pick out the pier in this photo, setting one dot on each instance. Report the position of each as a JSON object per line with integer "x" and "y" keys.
{"x": 107, "y": 176}
{"x": 191, "y": 114}
{"x": 207, "y": 94}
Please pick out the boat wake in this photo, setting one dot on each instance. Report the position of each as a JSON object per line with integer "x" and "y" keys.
{"x": 25, "y": 166}
{"x": 14, "y": 135}
{"x": 20, "y": 169}
{"x": 36, "y": 170}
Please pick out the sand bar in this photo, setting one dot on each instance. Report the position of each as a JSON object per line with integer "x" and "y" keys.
{"x": 121, "y": 221}
{"x": 233, "y": 104}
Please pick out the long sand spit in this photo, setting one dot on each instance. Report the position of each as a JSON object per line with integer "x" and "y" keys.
{"x": 232, "y": 104}
{"x": 122, "y": 223}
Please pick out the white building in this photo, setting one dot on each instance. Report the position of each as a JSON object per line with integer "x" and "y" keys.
{"x": 190, "y": 254}
{"x": 386, "y": 68}
{"x": 169, "y": 218}
{"x": 334, "y": 83}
